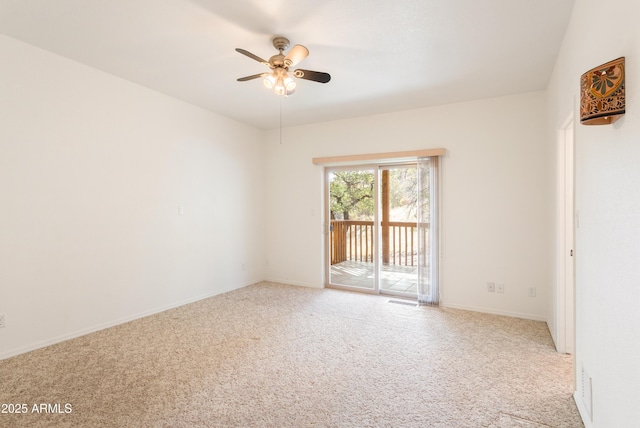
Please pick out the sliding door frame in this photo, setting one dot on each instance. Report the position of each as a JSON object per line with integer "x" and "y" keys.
{"x": 377, "y": 247}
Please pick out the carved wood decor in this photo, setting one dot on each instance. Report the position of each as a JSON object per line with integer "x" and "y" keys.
{"x": 602, "y": 94}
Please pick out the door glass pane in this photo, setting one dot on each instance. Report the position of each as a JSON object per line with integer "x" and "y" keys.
{"x": 398, "y": 228}
{"x": 351, "y": 208}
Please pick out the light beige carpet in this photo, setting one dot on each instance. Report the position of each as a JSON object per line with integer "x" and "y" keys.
{"x": 271, "y": 355}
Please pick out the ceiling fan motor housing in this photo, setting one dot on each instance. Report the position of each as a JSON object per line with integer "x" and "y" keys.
{"x": 277, "y": 61}
{"x": 280, "y": 43}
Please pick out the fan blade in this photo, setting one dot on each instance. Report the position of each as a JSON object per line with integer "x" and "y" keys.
{"x": 316, "y": 76}
{"x": 295, "y": 55}
{"x": 255, "y": 76}
{"x": 252, "y": 56}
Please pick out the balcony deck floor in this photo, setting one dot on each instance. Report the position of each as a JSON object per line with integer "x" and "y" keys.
{"x": 360, "y": 274}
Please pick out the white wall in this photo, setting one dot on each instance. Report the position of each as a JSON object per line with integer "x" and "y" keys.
{"x": 608, "y": 202}
{"x": 497, "y": 196}
{"x": 92, "y": 171}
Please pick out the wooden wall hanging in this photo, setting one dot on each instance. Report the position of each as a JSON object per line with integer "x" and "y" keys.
{"x": 602, "y": 97}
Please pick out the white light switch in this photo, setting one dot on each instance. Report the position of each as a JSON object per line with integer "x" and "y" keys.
{"x": 180, "y": 210}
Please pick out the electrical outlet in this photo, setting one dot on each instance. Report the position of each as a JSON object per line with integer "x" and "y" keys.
{"x": 532, "y": 292}
{"x": 500, "y": 288}
{"x": 491, "y": 287}
{"x": 3, "y": 321}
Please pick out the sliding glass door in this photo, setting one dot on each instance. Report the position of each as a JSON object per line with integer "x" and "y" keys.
{"x": 351, "y": 240}
{"x": 379, "y": 236}
{"x": 398, "y": 229}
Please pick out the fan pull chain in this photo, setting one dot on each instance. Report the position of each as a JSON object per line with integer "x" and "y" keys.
{"x": 280, "y": 120}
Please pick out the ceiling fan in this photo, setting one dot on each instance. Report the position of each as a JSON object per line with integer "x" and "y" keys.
{"x": 278, "y": 78}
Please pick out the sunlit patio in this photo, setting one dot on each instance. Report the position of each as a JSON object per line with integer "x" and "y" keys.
{"x": 360, "y": 274}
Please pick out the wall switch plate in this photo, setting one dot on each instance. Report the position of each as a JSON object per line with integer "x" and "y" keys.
{"x": 532, "y": 292}
{"x": 3, "y": 321}
{"x": 491, "y": 287}
{"x": 500, "y": 288}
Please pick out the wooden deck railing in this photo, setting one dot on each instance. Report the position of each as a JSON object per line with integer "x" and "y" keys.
{"x": 353, "y": 240}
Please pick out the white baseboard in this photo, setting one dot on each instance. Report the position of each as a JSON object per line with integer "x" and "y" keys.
{"x": 98, "y": 327}
{"x": 512, "y": 314}
{"x": 584, "y": 414}
{"x": 300, "y": 284}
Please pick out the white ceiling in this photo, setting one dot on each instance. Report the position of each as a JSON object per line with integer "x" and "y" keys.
{"x": 382, "y": 55}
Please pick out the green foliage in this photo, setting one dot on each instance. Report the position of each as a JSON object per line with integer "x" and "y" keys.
{"x": 351, "y": 195}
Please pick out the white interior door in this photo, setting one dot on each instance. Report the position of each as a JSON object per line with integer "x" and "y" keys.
{"x": 565, "y": 266}
{"x": 569, "y": 256}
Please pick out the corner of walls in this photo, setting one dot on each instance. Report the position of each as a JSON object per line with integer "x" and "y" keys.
{"x": 496, "y": 198}
{"x": 123, "y": 201}
{"x": 294, "y": 211}
{"x": 607, "y": 250}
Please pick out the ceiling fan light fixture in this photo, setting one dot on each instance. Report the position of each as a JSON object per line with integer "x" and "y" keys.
{"x": 279, "y": 89}
{"x": 269, "y": 81}
{"x": 280, "y": 81}
{"x": 289, "y": 83}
